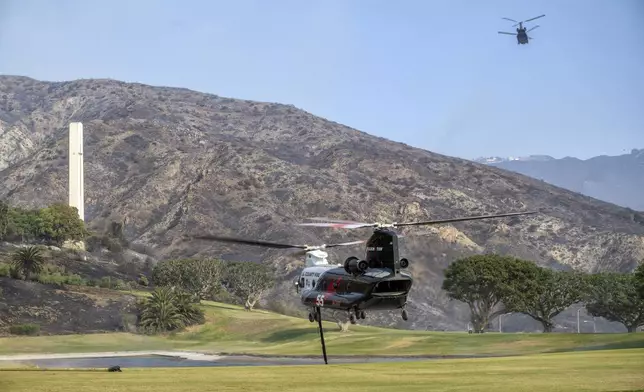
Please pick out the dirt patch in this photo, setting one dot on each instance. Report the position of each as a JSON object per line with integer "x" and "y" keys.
{"x": 60, "y": 310}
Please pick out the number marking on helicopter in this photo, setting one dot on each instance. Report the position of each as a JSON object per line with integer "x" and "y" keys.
{"x": 319, "y": 301}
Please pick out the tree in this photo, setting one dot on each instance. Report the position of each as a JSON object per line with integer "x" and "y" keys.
{"x": 60, "y": 222}
{"x": 248, "y": 281}
{"x": 481, "y": 282}
{"x": 200, "y": 277}
{"x": 24, "y": 224}
{"x": 639, "y": 279}
{"x": 28, "y": 261}
{"x": 544, "y": 293}
{"x": 614, "y": 296}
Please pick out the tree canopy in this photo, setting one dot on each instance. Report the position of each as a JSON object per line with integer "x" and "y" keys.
{"x": 205, "y": 278}
{"x": 56, "y": 224}
{"x": 481, "y": 281}
{"x": 200, "y": 277}
{"x": 615, "y": 297}
{"x": 639, "y": 279}
{"x": 248, "y": 281}
{"x": 546, "y": 293}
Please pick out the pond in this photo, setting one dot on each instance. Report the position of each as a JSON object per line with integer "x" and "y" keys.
{"x": 147, "y": 361}
{"x": 144, "y": 361}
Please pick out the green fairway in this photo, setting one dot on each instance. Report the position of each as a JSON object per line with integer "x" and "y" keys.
{"x": 617, "y": 370}
{"x": 231, "y": 329}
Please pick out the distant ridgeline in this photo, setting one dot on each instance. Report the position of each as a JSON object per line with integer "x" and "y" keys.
{"x": 615, "y": 179}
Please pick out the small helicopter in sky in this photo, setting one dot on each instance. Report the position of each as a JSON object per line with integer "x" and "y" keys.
{"x": 522, "y": 33}
{"x": 373, "y": 283}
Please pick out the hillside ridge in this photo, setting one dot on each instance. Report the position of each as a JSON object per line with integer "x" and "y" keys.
{"x": 174, "y": 161}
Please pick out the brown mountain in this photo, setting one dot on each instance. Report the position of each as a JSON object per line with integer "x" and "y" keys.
{"x": 174, "y": 161}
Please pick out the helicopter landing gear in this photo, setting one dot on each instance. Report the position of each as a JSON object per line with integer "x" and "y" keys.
{"x": 404, "y": 314}
{"x": 357, "y": 314}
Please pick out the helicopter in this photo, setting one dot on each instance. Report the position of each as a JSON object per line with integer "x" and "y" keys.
{"x": 373, "y": 283}
{"x": 522, "y": 33}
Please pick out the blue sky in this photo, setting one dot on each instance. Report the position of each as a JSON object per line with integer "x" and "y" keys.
{"x": 433, "y": 74}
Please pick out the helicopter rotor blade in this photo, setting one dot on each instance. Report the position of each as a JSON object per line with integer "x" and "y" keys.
{"x": 463, "y": 219}
{"x": 532, "y": 28}
{"x": 336, "y": 224}
{"x": 503, "y": 32}
{"x": 267, "y": 244}
{"x": 302, "y": 252}
{"x": 511, "y": 20}
{"x": 536, "y": 17}
{"x": 345, "y": 244}
{"x": 274, "y": 245}
{"x": 431, "y": 222}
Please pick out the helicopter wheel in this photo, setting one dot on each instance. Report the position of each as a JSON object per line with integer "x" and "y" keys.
{"x": 404, "y": 314}
{"x": 362, "y": 314}
{"x": 311, "y": 317}
{"x": 352, "y": 318}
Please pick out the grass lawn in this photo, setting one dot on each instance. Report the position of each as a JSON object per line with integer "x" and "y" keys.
{"x": 610, "y": 370}
{"x": 231, "y": 329}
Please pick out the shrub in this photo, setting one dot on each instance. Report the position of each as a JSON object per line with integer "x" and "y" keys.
{"x": 5, "y": 270}
{"x": 25, "y": 329}
{"x": 142, "y": 280}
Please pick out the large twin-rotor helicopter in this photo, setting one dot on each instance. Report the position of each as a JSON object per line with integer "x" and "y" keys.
{"x": 376, "y": 282}
{"x": 522, "y": 33}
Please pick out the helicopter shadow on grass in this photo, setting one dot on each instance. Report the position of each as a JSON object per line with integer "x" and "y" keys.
{"x": 291, "y": 334}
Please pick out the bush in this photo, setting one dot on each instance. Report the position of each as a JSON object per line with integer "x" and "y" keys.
{"x": 5, "y": 270}
{"x": 60, "y": 279}
{"x": 142, "y": 280}
{"x": 25, "y": 329}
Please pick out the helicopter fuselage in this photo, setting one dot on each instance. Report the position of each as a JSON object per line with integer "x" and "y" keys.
{"x": 375, "y": 283}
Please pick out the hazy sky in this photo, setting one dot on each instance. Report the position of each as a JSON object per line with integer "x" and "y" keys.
{"x": 433, "y": 74}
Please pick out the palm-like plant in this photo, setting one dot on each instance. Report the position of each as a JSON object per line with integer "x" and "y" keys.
{"x": 28, "y": 261}
{"x": 187, "y": 308}
{"x": 160, "y": 312}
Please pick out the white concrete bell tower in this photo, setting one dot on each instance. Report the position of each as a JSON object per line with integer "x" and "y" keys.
{"x": 76, "y": 173}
